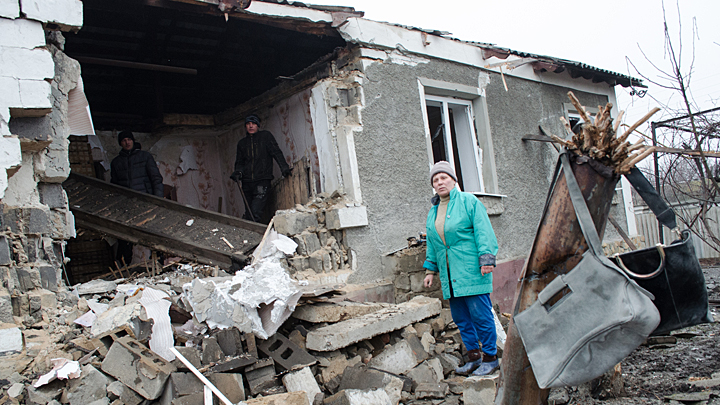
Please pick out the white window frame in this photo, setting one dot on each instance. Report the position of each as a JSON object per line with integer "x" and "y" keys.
{"x": 472, "y": 179}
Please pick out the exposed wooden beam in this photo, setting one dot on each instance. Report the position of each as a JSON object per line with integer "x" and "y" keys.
{"x": 189, "y": 119}
{"x": 135, "y": 65}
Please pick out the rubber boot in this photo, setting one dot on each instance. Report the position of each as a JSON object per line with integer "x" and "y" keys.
{"x": 474, "y": 361}
{"x": 487, "y": 365}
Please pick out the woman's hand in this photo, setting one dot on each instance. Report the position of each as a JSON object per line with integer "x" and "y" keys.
{"x": 486, "y": 269}
{"x": 428, "y": 281}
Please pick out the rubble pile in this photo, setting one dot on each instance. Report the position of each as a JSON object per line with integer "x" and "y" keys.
{"x": 142, "y": 341}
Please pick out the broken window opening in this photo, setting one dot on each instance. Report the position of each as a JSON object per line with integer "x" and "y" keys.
{"x": 452, "y": 132}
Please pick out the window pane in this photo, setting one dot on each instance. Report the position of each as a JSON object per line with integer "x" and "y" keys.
{"x": 437, "y": 131}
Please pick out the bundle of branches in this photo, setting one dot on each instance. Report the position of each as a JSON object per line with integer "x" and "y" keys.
{"x": 597, "y": 138}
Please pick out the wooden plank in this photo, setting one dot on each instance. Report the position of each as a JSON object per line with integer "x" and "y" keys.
{"x": 677, "y": 151}
{"x": 189, "y": 119}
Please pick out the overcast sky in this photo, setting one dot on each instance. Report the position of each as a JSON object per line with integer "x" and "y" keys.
{"x": 598, "y": 33}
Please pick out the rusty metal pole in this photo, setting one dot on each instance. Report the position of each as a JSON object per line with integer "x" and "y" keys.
{"x": 558, "y": 247}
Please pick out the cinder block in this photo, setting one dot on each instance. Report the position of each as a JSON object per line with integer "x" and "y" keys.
{"x": 191, "y": 354}
{"x": 211, "y": 351}
{"x": 348, "y": 217}
{"x": 480, "y": 390}
{"x": 185, "y": 384}
{"x": 90, "y": 387}
{"x": 261, "y": 375}
{"x": 137, "y": 367}
{"x": 231, "y": 385}
{"x": 358, "y": 397}
{"x": 343, "y": 334}
{"x": 229, "y": 341}
{"x": 286, "y": 353}
{"x": 20, "y": 33}
{"x": 26, "y": 64}
{"x": 68, "y": 14}
{"x": 291, "y": 222}
{"x": 302, "y": 380}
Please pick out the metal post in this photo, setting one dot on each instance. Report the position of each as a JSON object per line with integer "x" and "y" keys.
{"x": 558, "y": 247}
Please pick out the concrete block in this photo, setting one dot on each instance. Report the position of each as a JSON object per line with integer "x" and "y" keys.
{"x": 10, "y": 9}
{"x": 91, "y": 386}
{"x": 34, "y": 97}
{"x": 417, "y": 347}
{"x": 137, "y": 367}
{"x": 397, "y": 359}
{"x": 261, "y": 375}
{"x": 360, "y": 377}
{"x": 290, "y": 398}
{"x": 48, "y": 278}
{"x": 424, "y": 373}
{"x": 231, "y": 385}
{"x": 348, "y": 217}
{"x": 185, "y": 384}
{"x": 21, "y": 33}
{"x": 52, "y": 195}
{"x": 433, "y": 391}
{"x": 11, "y": 341}
{"x": 286, "y": 353}
{"x": 358, "y": 397}
{"x": 302, "y": 380}
{"x": 211, "y": 351}
{"x": 52, "y": 165}
{"x": 291, "y": 222}
{"x": 5, "y": 258}
{"x": 449, "y": 362}
{"x": 118, "y": 391}
{"x": 190, "y": 353}
{"x": 480, "y": 390}
{"x": 345, "y": 333}
{"x": 334, "y": 312}
{"x": 67, "y": 14}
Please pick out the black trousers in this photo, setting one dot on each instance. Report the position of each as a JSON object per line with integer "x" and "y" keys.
{"x": 257, "y": 193}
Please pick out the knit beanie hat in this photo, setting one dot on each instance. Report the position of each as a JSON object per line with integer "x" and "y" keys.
{"x": 252, "y": 118}
{"x": 125, "y": 134}
{"x": 442, "y": 167}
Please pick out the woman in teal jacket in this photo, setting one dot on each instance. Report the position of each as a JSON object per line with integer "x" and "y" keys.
{"x": 461, "y": 248}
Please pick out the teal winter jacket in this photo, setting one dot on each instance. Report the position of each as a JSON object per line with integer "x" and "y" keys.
{"x": 470, "y": 244}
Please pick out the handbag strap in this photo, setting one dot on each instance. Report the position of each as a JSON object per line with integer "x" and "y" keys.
{"x": 659, "y": 207}
{"x": 581, "y": 210}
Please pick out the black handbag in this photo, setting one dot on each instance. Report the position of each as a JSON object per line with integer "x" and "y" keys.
{"x": 672, "y": 273}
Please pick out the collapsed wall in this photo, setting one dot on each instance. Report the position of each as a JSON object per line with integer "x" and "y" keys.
{"x": 36, "y": 78}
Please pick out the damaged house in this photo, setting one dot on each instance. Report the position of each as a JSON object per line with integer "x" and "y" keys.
{"x": 359, "y": 108}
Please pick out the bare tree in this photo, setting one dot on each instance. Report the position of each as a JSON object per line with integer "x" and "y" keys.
{"x": 687, "y": 180}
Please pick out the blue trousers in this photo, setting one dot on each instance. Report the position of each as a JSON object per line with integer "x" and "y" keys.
{"x": 473, "y": 316}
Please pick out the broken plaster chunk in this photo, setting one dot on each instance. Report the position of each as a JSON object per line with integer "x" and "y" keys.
{"x": 115, "y": 318}
{"x": 343, "y": 334}
{"x": 96, "y": 287}
{"x": 189, "y": 222}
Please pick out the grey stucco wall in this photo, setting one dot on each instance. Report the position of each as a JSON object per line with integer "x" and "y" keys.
{"x": 393, "y": 161}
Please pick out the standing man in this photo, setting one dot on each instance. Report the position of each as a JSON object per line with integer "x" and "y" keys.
{"x": 254, "y": 166}
{"x": 135, "y": 169}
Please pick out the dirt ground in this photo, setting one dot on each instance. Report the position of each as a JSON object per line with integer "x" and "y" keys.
{"x": 665, "y": 373}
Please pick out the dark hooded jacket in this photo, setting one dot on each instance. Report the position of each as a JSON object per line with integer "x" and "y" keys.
{"x": 137, "y": 170}
{"x": 255, "y": 154}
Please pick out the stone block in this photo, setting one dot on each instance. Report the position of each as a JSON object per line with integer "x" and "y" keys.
{"x": 334, "y": 312}
{"x": 91, "y": 386}
{"x": 28, "y": 278}
{"x": 299, "y": 263}
{"x": 44, "y": 298}
{"x": 417, "y": 348}
{"x": 52, "y": 195}
{"x": 290, "y": 398}
{"x": 358, "y": 397}
{"x": 302, "y": 380}
{"x": 433, "y": 391}
{"x": 137, "y": 367}
{"x": 308, "y": 242}
{"x": 6, "y": 307}
{"x": 67, "y": 14}
{"x": 11, "y": 341}
{"x": 320, "y": 261}
{"x": 185, "y": 384}
{"x": 480, "y": 390}
{"x": 335, "y": 365}
{"x": 5, "y": 257}
{"x": 425, "y": 372}
{"x": 397, "y": 359}
{"x": 261, "y": 376}
{"x": 291, "y": 222}
{"x": 449, "y": 362}
{"x": 231, "y": 385}
{"x": 348, "y": 217}
{"x": 394, "y": 317}
{"x": 48, "y": 278}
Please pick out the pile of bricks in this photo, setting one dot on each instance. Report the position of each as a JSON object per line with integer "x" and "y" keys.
{"x": 339, "y": 352}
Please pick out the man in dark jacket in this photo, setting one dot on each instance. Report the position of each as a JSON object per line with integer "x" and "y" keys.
{"x": 254, "y": 165}
{"x": 135, "y": 169}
